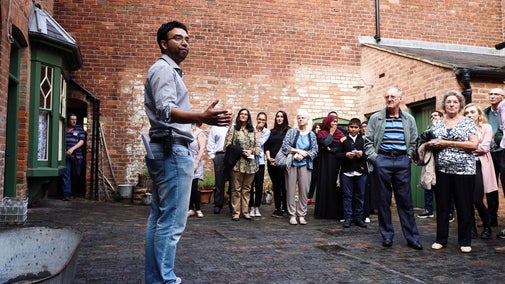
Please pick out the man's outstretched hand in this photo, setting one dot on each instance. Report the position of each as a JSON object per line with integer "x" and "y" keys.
{"x": 214, "y": 116}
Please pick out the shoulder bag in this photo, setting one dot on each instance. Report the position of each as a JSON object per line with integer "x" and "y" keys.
{"x": 282, "y": 160}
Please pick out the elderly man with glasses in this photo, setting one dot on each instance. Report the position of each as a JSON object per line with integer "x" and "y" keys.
{"x": 495, "y": 97}
{"x": 390, "y": 139}
{"x": 499, "y": 92}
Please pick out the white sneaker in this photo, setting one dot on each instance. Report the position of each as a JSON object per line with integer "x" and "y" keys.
{"x": 191, "y": 213}
{"x": 436, "y": 246}
{"x": 252, "y": 212}
{"x": 367, "y": 220}
{"x": 293, "y": 221}
{"x": 465, "y": 249}
{"x": 302, "y": 221}
{"x": 257, "y": 212}
{"x": 178, "y": 280}
{"x": 199, "y": 214}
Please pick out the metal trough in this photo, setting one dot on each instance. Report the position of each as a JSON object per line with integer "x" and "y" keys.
{"x": 38, "y": 255}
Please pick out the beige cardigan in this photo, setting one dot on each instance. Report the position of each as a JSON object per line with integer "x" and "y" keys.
{"x": 428, "y": 177}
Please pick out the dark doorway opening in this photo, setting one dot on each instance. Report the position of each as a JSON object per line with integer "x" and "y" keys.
{"x": 80, "y": 108}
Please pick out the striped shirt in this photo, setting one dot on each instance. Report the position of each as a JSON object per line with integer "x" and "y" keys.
{"x": 394, "y": 135}
{"x": 73, "y": 137}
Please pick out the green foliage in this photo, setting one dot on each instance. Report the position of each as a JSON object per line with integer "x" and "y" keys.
{"x": 208, "y": 182}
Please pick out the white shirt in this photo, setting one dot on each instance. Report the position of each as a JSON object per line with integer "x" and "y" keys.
{"x": 215, "y": 142}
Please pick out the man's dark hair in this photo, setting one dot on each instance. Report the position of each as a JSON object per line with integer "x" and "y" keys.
{"x": 165, "y": 28}
{"x": 355, "y": 121}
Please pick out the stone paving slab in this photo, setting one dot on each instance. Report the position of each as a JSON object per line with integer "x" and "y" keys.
{"x": 215, "y": 249}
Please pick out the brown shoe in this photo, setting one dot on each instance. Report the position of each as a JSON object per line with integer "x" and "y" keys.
{"x": 499, "y": 250}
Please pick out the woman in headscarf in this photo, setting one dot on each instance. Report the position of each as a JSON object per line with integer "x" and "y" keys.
{"x": 328, "y": 197}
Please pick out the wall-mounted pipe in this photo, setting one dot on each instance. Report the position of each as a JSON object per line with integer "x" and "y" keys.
{"x": 463, "y": 75}
{"x": 377, "y": 36}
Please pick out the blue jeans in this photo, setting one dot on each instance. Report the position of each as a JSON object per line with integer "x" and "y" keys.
{"x": 354, "y": 188}
{"x": 172, "y": 176}
{"x": 72, "y": 172}
{"x": 428, "y": 200}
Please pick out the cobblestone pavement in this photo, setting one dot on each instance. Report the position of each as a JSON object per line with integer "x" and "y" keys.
{"x": 215, "y": 249}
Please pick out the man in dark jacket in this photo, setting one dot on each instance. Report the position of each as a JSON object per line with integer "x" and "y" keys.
{"x": 492, "y": 115}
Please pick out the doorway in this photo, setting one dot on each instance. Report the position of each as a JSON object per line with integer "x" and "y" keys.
{"x": 80, "y": 109}
{"x": 421, "y": 112}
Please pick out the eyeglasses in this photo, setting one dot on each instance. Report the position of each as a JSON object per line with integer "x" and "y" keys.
{"x": 261, "y": 119}
{"x": 179, "y": 38}
{"x": 494, "y": 94}
{"x": 391, "y": 97}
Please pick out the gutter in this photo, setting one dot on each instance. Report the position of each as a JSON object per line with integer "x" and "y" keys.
{"x": 465, "y": 75}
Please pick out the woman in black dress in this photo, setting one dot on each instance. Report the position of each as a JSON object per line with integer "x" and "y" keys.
{"x": 328, "y": 197}
{"x": 272, "y": 146}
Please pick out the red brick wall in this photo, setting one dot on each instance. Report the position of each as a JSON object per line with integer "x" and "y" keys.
{"x": 263, "y": 55}
{"x": 19, "y": 15}
{"x": 418, "y": 81}
{"x": 450, "y": 21}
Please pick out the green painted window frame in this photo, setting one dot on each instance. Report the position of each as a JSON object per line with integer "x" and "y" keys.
{"x": 10, "y": 170}
{"x": 54, "y": 164}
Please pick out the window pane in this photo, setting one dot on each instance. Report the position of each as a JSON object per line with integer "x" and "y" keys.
{"x": 63, "y": 97}
{"x": 60, "y": 139}
{"x": 46, "y": 86}
{"x": 43, "y": 135}
{"x": 63, "y": 115}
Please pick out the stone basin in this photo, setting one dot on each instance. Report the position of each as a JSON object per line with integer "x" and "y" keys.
{"x": 38, "y": 255}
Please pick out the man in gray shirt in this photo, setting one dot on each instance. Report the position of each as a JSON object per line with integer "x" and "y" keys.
{"x": 171, "y": 164}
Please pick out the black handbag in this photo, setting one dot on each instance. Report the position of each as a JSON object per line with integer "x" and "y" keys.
{"x": 232, "y": 155}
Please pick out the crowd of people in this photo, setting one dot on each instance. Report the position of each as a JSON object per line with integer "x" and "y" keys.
{"x": 348, "y": 173}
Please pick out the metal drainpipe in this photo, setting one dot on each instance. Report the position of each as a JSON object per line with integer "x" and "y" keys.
{"x": 463, "y": 76}
{"x": 377, "y": 36}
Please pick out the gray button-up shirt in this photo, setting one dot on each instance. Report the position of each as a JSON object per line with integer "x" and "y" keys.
{"x": 164, "y": 91}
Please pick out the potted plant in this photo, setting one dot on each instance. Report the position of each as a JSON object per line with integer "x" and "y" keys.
{"x": 144, "y": 180}
{"x": 206, "y": 188}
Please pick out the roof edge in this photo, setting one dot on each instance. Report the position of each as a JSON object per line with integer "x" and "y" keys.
{"x": 366, "y": 40}
{"x": 431, "y": 62}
